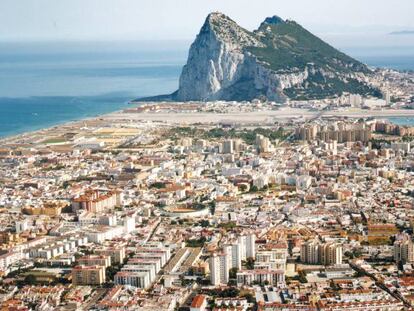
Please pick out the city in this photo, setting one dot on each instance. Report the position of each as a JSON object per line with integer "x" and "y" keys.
{"x": 309, "y": 212}
{"x": 181, "y": 155}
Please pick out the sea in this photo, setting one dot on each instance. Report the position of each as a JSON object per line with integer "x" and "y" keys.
{"x": 46, "y": 83}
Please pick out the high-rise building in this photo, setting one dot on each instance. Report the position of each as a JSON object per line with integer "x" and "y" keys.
{"x": 238, "y": 145}
{"x": 95, "y": 260}
{"x": 309, "y": 252}
{"x": 355, "y": 100}
{"x": 220, "y": 264}
{"x": 330, "y": 254}
{"x": 272, "y": 257}
{"x": 227, "y": 146}
{"x": 263, "y": 143}
{"x": 231, "y": 257}
{"x": 403, "y": 248}
{"x": 340, "y": 132}
{"x": 88, "y": 275}
{"x": 387, "y": 97}
{"x": 248, "y": 246}
{"x": 236, "y": 254}
{"x": 315, "y": 252}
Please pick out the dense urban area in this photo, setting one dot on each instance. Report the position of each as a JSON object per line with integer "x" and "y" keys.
{"x": 213, "y": 206}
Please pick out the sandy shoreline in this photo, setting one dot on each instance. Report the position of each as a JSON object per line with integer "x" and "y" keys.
{"x": 207, "y": 117}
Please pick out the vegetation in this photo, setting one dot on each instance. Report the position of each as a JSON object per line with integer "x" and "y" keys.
{"x": 289, "y": 47}
{"x": 228, "y": 225}
{"x": 204, "y": 223}
{"x": 233, "y": 273}
{"x": 196, "y": 242}
{"x": 231, "y": 292}
{"x": 158, "y": 185}
{"x": 302, "y": 277}
{"x": 212, "y": 206}
{"x": 249, "y": 263}
{"x": 249, "y": 136}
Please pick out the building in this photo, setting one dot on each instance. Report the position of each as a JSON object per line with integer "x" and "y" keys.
{"x": 9, "y": 258}
{"x": 199, "y": 303}
{"x": 97, "y": 201}
{"x": 340, "y": 132}
{"x": 330, "y": 254}
{"x": 309, "y": 252}
{"x": 88, "y": 275}
{"x": 315, "y": 252}
{"x": 263, "y": 143}
{"x": 220, "y": 265}
{"x": 231, "y": 257}
{"x": 117, "y": 253}
{"x": 21, "y": 226}
{"x": 263, "y": 277}
{"x": 355, "y": 100}
{"x": 51, "y": 209}
{"x": 95, "y": 260}
{"x": 228, "y": 146}
{"x": 401, "y": 146}
{"x": 273, "y": 257}
{"x": 235, "y": 250}
{"x": 247, "y": 246}
{"x": 136, "y": 279}
{"x": 403, "y": 248}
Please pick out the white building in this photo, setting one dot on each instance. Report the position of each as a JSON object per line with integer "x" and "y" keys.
{"x": 267, "y": 277}
{"x": 403, "y": 248}
{"x": 220, "y": 264}
{"x": 136, "y": 279}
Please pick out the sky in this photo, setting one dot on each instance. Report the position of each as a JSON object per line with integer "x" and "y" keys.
{"x": 32, "y": 20}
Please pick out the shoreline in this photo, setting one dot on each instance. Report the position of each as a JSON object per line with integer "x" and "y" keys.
{"x": 209, "y": 117}
{"x": 39, "y": 131}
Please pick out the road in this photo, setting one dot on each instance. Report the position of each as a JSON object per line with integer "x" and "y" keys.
{"x": 396, "y": 294}
{"x": 97, "y": 295}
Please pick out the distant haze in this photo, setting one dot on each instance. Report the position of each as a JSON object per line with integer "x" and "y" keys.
{"x": 23, "y": 20}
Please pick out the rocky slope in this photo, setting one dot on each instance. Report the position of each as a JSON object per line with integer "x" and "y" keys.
{"x": 279, "y": 60}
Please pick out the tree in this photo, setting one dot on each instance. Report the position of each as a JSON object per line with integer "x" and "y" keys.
{"x": 249, "y": 297}
{"x": 302, "y": 277}
{"x": 212, "y": 206}
{"x": 254, "y": 188}
{"x": 250, "y": 263}
{"x": 204, "y": 223}
{"x": 196, "y": 242}
{"x": 30, "y": 279}
{"x": 243, "y": 187}
{"x": 232, "y": 282}
{"x": 357, "y": 253}
{"x": 233, "y": 273}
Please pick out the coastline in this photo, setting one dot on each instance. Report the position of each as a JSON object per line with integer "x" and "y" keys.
{"x": 5, "y": 139}
{"x": 214, "y": 118}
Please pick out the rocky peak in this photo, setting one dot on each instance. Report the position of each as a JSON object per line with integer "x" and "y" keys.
{"x": 228, "y": 62}
{"x": 227, "y": 30}
{"x": 273, "y": 20}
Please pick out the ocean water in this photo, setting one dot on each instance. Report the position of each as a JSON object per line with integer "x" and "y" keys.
{"x": 44, "y": 84}
{"x": 402, "y": 120}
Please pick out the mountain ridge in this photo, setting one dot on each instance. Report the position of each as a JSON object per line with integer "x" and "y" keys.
{"x": 280, "y": 60}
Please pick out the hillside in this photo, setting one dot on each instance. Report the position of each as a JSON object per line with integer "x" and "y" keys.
{"x": 280, "y": 60}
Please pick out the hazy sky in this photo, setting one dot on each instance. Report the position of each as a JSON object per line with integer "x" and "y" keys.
{"x": 182, "y": 19}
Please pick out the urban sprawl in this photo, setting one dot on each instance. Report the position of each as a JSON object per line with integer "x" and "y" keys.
{"x": 214, "y": 206}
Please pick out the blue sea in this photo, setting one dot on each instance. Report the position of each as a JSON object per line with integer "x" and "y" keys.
{"x": 44, "y": 84}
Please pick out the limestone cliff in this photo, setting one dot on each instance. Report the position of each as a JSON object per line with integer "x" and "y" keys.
{"x": 279, "y": 60}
